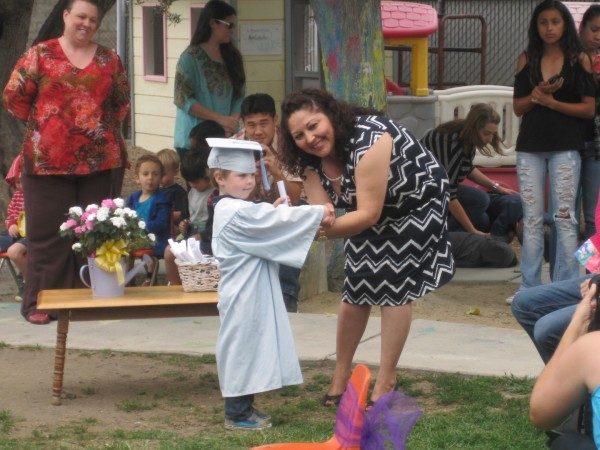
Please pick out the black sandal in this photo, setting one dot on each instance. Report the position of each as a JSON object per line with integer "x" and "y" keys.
{"x": 331, "y": 400}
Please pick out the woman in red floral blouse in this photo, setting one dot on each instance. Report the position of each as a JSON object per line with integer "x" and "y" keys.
{"x": 73, "y": 95}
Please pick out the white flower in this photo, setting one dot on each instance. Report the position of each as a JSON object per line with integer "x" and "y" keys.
{"x": 142, "y": 224}
{"x": 91, "y": 217}
{"x": 102, "y": 213}
{"x": 119, "y": 212}
{"x": 119, "y": 202}
{"x": 76, "y": 246}
{"x": 151, "y": 237}
{"x": 90, "y": 207}
{"x": 129, "y": 212}
{"x": 75, "y": 210}
{"x": 118, "y": 222}
{"x": 64, "y": 226}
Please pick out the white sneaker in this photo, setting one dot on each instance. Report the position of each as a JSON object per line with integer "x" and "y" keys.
{"x": 509, "y": 300}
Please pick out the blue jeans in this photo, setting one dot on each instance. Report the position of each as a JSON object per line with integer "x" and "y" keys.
{"x": 496, "y": 214}
{"x": 563, "y": 169}
{"x": 545, "y": 311}
{"x": 239, "y": 408}
{"x": 590, "y": 185}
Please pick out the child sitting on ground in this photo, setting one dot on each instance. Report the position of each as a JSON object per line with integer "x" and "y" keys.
{"x": 255, "y": 347}
{"x": 176, "y": 195}
{"x": 151, "y": 204}
{"x": 13, "y": 240}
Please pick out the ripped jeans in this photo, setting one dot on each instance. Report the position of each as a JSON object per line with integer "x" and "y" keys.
{"x": 563, "y": 173}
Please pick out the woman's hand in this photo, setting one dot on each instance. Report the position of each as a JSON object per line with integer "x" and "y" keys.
{"x": 478, "y": 232}
{"x": 13, "y": 231}
{"x": 328, "y": 216}
{"x": 505, "y": 189}
{"x": 230, "y": 123}
{"x": 551, "y": 88}
{"x": 586, "y": 309}
{"x": 540, "y": 96}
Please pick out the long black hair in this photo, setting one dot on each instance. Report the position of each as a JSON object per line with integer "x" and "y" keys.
{"x": 590, "y": 14}
{"x": 341, "y": 114}
{"x": 569, "y": 41}
{"x": 219, "y": 10}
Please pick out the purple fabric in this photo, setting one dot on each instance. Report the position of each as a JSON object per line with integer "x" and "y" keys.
{"x": 349, "y": 419}
{"x": 389, "y": 421}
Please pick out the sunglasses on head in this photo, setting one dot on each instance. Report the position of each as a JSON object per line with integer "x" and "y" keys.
{"x": 230, "y": 25}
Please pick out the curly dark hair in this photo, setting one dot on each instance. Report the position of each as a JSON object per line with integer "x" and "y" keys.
{"x": 219, "y": 10}
{"x": 341, "y": 114}
{"x": 569, "y": 41}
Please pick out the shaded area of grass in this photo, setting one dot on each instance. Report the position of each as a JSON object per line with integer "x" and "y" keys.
{"x": 185, "y": 411}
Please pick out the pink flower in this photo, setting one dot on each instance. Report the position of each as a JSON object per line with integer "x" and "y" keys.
{"x": 89, "y": 225}
{"x": 108, "y": 203}
{"x": 80, "y": 230}
{"x": 70, "y": 223}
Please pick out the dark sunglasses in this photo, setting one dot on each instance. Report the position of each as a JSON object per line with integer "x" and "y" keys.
{"x": 230, "y": 25}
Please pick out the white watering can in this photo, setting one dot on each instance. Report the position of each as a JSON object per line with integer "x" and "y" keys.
{"x": 105, "y": 284}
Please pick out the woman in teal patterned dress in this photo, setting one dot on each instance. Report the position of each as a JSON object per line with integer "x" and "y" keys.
{"x": 210, "y": 78}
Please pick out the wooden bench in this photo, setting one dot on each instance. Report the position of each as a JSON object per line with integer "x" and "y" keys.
{"x": 137, "y": 303}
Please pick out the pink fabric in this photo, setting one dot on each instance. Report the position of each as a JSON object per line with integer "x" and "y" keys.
{"x": 596, "y": 237}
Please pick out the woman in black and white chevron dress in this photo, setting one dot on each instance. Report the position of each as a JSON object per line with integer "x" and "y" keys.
{"x": 396, "y": 197}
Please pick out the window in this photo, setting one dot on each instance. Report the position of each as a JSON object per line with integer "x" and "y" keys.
{"x": 154, "y": 33}
{"x": 304, "y": 60}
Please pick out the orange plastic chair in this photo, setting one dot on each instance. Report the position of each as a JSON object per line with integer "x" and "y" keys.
{"x": 353, "y": 401}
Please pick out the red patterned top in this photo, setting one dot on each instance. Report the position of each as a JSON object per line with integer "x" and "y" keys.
{"x": 73, "y": 115}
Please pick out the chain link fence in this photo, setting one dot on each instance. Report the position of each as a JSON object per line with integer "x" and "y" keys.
{"x": 506, "y": 27}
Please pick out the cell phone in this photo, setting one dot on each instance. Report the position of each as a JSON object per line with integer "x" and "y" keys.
{"x": 595, "y": 323}
{"x": 554, "y": 78}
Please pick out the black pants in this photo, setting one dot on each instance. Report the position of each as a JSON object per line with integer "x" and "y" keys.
{"x": 51, "y": 263}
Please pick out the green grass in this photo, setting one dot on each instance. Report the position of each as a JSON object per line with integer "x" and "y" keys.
{"x": 7, "y": 421}
{"x": 186, "y": 412}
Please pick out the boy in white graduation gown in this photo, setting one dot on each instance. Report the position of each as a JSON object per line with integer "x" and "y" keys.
{"x": 255, "y": 347}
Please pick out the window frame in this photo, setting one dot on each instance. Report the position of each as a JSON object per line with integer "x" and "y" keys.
{"x": 147, "y": 46}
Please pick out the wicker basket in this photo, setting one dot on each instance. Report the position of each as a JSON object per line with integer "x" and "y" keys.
{"x": 198, "y": 277}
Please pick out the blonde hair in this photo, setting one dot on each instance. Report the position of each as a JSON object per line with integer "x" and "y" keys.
{"x": 212, "y": 173}
{"x": 169, "y": 159}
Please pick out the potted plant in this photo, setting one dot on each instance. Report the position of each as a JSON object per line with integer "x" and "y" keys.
{"x": 106, "y": 234}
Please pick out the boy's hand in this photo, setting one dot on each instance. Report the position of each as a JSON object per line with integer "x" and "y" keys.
{"x": 280, "y": 201}
{"x": 183, "y": 226}
{"x": 13, "y": 231}
{"x": 328, "y": 216}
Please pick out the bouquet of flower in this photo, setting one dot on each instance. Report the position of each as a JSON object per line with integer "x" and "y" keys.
{"x": 106, "y": 229}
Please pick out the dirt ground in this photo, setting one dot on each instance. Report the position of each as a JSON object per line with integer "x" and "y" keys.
{"x": 105, "y": 390}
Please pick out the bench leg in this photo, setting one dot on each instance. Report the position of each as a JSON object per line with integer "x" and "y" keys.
{"x": 62, "y": 328}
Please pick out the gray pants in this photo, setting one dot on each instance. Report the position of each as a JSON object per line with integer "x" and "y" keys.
{"x": 472, "y": 250}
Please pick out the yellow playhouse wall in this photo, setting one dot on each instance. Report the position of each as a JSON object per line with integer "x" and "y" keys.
{"x": 153, "y": 100}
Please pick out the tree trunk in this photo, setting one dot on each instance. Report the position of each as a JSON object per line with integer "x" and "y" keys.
{"x": 15, "y": 16}
{"x": 352, "y": 50}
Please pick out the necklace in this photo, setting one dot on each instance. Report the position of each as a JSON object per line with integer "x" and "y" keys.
{"x": 334, "y": 179}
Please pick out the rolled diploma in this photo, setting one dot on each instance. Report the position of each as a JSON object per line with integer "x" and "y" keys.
{"x": 282, "y": 193}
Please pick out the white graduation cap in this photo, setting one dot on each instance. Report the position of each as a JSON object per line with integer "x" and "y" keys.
{"x": 236, "y": 155}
